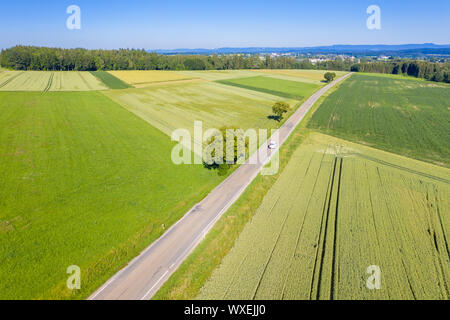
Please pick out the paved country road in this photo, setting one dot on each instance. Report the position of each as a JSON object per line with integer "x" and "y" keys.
{"x": 145, "y": 274}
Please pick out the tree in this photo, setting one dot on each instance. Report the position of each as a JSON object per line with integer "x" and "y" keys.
{"x": 329, "y": 76}
{"x": 438, "y": 76}
{"x": 279, "y": 109}
{"x": 42, "y": 58}
{"x": 233, "y": 150}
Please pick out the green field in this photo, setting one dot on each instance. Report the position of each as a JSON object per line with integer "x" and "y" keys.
{"x": 278, "y": 87}
{"x": 172, "y": 106}
{"x": 49, "y": 81}
{"x": 337, "y": 209}
{"x": 312, "y": 76}
{"x": 408, "y": 117}
{"x": 214, "y": 75}
{"x": 82, "y": 182}
{"x": 109, "y": 80}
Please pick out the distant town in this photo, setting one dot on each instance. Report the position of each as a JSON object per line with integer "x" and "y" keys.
{"x": 356, "y": 53}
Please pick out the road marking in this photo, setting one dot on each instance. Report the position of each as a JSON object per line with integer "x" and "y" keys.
{"x": 143, "y": 298}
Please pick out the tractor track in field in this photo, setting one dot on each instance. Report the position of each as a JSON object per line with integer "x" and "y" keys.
{"x": 440, "y": 220}
{"x": 388, "y": 164}
{"x": 439, "y": 264}
{"x": 301, "y": 228}
{"x": 325, "y": 232}
{"x": 10, "y": 79}
{"x": 85, "y": 81}
{"x": 335, "y": 240}
{"x": 326, "y": 202}
{"x": 281, "y": 230}
{"x": 49, "y": 83}
{"x": 398, "y": 240}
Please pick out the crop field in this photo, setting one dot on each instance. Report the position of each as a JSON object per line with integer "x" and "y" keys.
{"x": 313, "y": 76}
{"x": 82, "y": 182}
{"x": 214, "y": 75}
{"x": 337, "y": 209}
{"x": 49, "y": 81}
{"x": 109, "y": 80}
{"x": 279, "y": 87}
{"x": 145, "y": 77}
{"x": 169, "y": 107}
{"x": 408, "y": 117}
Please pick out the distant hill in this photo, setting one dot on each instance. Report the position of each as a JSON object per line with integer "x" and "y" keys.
{"x": 403, "y": 49}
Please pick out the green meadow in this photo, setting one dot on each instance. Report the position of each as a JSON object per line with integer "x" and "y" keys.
{"x": 399, "y": 115}
{"x": 82, "y": 182}
{"x": 109, "y": 80}
{"x": 278, "y": 87}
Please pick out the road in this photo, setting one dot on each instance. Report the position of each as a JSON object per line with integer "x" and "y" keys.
{"x": 145, "y": 274}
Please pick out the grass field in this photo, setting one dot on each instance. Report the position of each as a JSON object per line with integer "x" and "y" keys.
{"x": 313, "y": 76}
{"x": 49, "y": 81}
{"x": 173, "y": 106}
{"x": 144, "y": 77}
{"x": 109, "y": 80}
{"x": 408, "y": 117}
{"x": 279, "y": 87}
{"x": 337, "y": 209}
{"x": 82, "y": 182}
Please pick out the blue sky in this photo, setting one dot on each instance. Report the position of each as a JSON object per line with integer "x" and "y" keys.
{"x": 173, "y": 24}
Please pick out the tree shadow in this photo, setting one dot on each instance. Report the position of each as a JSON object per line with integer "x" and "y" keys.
{"x": 274, "y": 117}
{"x": 221, "y": 169}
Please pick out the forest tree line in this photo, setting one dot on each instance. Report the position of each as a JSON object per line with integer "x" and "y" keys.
{"x": 439, "y": 72}
{"x": 57, "y": 59}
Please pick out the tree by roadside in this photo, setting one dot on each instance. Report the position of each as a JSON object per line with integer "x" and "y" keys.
{"x": 279, "y": 109}
{"x": 329, "y": 76}
{"x": 234, "y": 148}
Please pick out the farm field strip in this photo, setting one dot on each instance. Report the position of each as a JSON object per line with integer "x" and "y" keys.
{"x": 408, "y": 117}
{"x": 109, "y": 80}
{"x": 49, "y": 81}
{"x": 214, "y": 75}
{"x": 142, "y": 77}
{"x": 289, "y": 78}
{"x": 170, "y": 107}
{"x": 312, "y": 76}
{"x": 278, "y": 87}
{"x": 331, "y": 215}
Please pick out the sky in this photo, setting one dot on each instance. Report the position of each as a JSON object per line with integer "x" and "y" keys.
{"x": 173, "y": 24}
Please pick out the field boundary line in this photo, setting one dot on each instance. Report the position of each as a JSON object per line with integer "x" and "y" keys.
{"x": 49, "y": 82}
{"x": 398, "y": 167}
